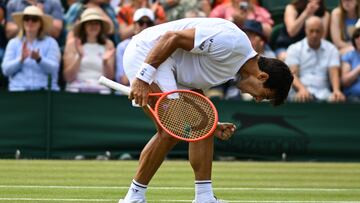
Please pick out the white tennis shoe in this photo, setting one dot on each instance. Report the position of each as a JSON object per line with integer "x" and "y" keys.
{"x": 216, "y": 201}
{"x": 133, "y": 201}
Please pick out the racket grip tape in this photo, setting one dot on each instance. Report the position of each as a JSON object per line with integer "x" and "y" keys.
{"x": 114, "y": 85}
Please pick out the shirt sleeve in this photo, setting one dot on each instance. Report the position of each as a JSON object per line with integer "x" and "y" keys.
{"x": 347, "y": 57}
{"x": 50, "y": 60}
{"x": 212, "y": 42}
{"x": 11, "y": 62}
{"x": 293, "y": 53}
{"x": 334, "y": 58}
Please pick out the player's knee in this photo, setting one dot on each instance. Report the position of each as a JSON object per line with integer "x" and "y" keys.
{"x": 166, "y": 137}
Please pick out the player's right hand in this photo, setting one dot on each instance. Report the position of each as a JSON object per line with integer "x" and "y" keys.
{"x": 139, "y": 92}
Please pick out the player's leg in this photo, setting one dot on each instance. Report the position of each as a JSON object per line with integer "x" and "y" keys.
{"x": 161, "y": 143}
{"x": 201, "y": 157}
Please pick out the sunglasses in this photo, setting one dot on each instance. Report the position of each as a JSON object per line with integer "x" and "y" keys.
{"x": 147, "y": 22}
{"x": 31, "y": 18}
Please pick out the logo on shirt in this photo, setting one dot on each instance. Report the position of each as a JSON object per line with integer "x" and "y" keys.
{"x": 206, "y": 43}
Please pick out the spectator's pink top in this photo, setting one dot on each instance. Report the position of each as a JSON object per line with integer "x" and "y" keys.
{"x": 226, "y": 11}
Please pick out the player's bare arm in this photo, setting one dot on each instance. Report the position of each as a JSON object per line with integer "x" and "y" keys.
{"x": 165, "y": 46}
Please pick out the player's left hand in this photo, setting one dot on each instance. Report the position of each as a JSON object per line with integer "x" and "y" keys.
{"x": 224, "y": 130}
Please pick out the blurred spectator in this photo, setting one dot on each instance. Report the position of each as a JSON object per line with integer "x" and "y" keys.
{"x": 312, "y": 60}
{"x": 194, "y": 13}
{"x": 89, "y": 55}
{"x": 343, "y": 19}
{"x": 295, "y": 16}
{"x": 254, "y": 31}
{"x": 208, "y": 5}
{"x": 49, "y": 7}
{"x": 238, "y": 11}
{"x": 126, "y": 13}
{"x": 108, "y": 13}
{"x": 350, "y": 67}
{"x": 143, "y": 18}
{"x": 67, "y": 3}
{"x": 3, "y": 39}
{"x": 176, "y": 9}
{"x": 32, "y": 57}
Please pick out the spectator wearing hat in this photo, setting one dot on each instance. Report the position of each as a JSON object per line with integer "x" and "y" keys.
{"x": 127, "y": 11}
{"x": 143, "y": 18}
{"x": 76, "y": 9}
{"x": 33, "y": 56}
{"x": 89, "y": 54}
{"x": 52, "y": 8}
{"x": 350, "y": 69}
{"x": 254, "y": 31}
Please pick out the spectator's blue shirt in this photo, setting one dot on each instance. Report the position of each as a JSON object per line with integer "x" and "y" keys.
{"x": 120, "y": 49}
{"x": 51, "y": 7}
{"x": 352, "y": 58}
{"x": 31, "y": 75}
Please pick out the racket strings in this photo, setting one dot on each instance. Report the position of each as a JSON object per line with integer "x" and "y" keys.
{"x": 186, "y": 115}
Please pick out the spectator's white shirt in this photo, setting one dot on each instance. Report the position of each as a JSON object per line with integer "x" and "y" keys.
{"x": 220, "y": 49}
{"x": 314, "y": 65}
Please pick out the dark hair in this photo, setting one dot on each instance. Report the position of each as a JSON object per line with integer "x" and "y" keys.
{"x": 355, "y": 35}
{"x": 280, "y": 78}
{"x": 101, "y": 38}
{"x": 300, "y": 6}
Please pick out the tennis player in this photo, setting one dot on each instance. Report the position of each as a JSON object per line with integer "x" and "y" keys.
{"x": 196, "y": 54}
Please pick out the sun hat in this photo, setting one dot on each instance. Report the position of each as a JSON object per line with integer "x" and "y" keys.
{"x": 88, "y": 15}
{"x": 33, "y": 11}
{"x": 141, "y": 12}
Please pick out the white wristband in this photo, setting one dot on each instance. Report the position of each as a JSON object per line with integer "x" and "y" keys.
{"x": 146, "y": 73}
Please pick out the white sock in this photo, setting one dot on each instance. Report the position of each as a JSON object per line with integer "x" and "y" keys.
{"x": 136, "y": 191}
{"x": 203, "y": 191}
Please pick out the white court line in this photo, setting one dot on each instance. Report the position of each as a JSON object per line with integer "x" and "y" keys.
{"x": 180, "y": 188}
{"x": 113, "y": 200}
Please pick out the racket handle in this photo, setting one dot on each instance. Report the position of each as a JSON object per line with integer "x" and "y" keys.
{"x": 114, "y": 85}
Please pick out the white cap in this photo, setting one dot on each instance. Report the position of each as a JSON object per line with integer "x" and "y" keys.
{"x": 141, "y": 12}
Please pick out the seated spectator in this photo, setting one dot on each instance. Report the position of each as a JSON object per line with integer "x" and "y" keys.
{"x": 89, "y": 55}
{"x": 176, "y": 9}
{"x": 49, "y": 7}
{"x": 73, "y": 14}
{"x": 32, "y": 57}
{"x": 350, "y": 67}
{"x": 295, "y": 16}
{"x": 126, "y": 13}
{"x": 238, "y": 11}
{"x": 3, "y": 39}
{"x": 207, "y": 6}
{"x": 254, "y": 31}
{"x": 312, "y": 60}
{"x": 143, "y": 18}
{"x": 343, "y": 19}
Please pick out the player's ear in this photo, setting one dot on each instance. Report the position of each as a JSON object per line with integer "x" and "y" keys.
{"x": 263, "y": 76}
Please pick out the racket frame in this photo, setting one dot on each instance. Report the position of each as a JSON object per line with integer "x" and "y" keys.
{"x": 126, "y": 90}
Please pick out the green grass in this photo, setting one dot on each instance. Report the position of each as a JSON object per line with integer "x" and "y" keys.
{"x": 33, "y": 181}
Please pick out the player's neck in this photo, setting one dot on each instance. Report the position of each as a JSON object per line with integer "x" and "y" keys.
{"x": 250, "y": 67}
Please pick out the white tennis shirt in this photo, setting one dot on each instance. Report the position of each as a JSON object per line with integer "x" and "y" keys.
{"x": 220, "y": 50}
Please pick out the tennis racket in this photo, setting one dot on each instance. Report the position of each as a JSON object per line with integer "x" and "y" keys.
{"x": 183, "y": 114}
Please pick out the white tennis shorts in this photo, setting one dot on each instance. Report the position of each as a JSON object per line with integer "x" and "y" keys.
{"x": 135, "y": 55}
